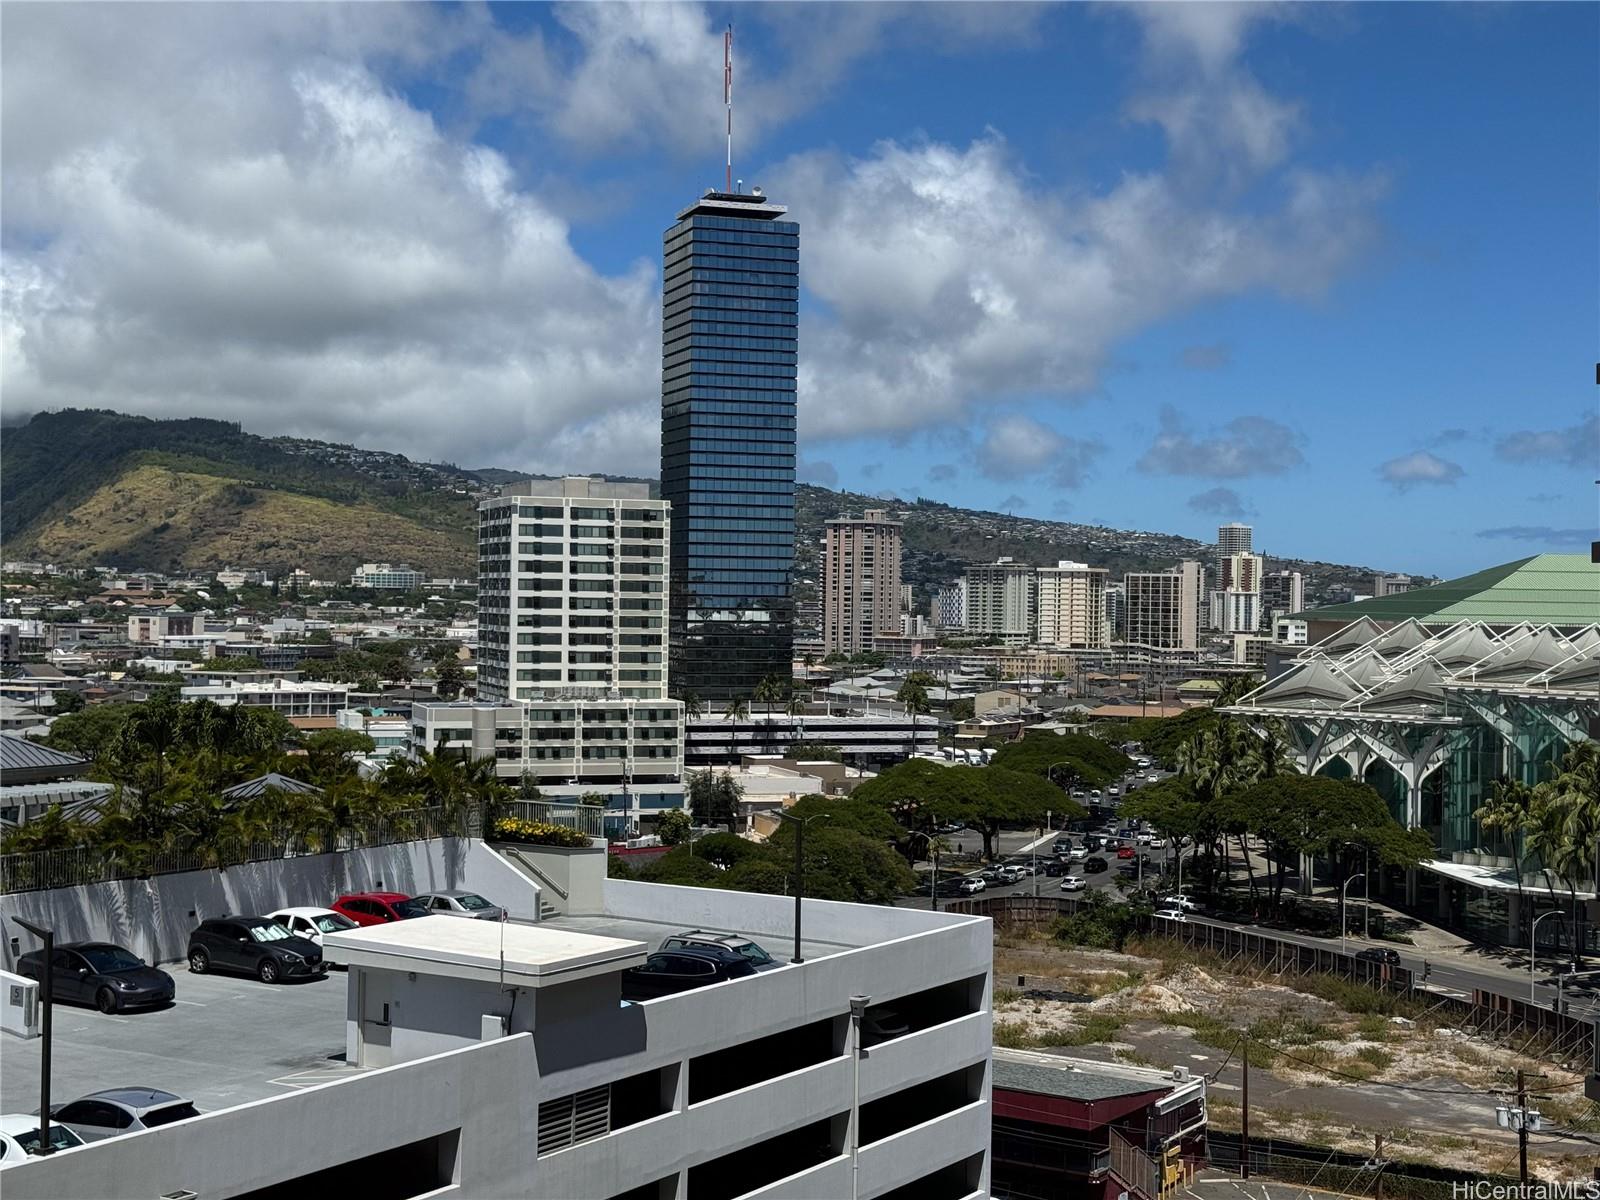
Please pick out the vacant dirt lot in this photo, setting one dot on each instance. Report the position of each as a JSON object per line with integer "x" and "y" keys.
{"x": 1332, "y": 1063}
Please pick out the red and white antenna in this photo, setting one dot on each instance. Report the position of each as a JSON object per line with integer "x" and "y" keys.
{"x": 727, "y": 96}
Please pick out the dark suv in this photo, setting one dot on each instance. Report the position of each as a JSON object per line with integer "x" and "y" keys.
{"x": 257, "y": 946}
{"x": 669, "y": 971}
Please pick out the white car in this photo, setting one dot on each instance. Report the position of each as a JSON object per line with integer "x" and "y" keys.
{"x": 1183, "y": 902}
{"x": 1152, "y": 778}
{"x": 1143, "y": 764}
{"x": 1078, "y": 854}
{"x": 1144, "y": 839}
{"x": 1171, "y": 914}
{"x": 1113, "y": 790}
{"x": 1073, "y": 883}
{"x": 1158, "y": 843}
{"x": 312, "y": 923}
{"x": 19, "y": 1137}
{"x": 971, "y": 886}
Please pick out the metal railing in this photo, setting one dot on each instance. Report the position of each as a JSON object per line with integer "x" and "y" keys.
{"x": 1133, "y": 1168}
{"x": 81, "y": 865}
{"x": 587, "y": 819}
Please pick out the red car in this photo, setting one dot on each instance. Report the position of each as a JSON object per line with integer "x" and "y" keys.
{"x": 378, "y": 908}
{"x": 1125, "y": 851}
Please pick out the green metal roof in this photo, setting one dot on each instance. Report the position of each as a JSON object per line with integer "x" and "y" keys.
{"x": 1547, "y": 589}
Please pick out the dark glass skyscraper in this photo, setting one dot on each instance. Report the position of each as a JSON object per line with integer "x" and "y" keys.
{"x": 728, "y": 325}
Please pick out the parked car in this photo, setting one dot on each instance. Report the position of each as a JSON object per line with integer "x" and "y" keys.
{"x": 1170, "y": 914}
{"x": 1380, "y": 954}
{"x": 971, "y": 885}
{"x": 116, "y": 1111}
{"x": 102, "y": 974}
{"x": 682, "y": 970}
{"x": 1073, "y": 883}
{"x": 752, "y": 952}
{"x": 460, "y": 904}
{"x": 19, "y": 1137}
{"x": 1093, "y": 866}
{"x": 378, "y": 908}
{"x": 1143, "y": 764}
{"x": 1113, "y": 790}
{"x": 1094, "y": 793}
{"x": 1126, "y": 852}
{"x": 312, "y": 923}
{"x": 881, "y": 1024}
{"x": 256, "y": 946}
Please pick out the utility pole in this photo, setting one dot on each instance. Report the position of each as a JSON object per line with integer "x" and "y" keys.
{"x": 1522, "y": 1128}
{"x": 1244, "y": 1126}
{"x": 1377, "y": 1162}
{"x": 47, "y": 1001}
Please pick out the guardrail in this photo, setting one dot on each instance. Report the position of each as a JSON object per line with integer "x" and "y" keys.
{"x": 81, "y": 865}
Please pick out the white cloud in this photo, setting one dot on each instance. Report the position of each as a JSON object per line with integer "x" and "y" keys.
{"x": 1220, "y": 502}
{"x": 949, "y": 278}
{"x": 1016, "y": 446}
{"x": 1575, "y": 446}
{"x": 1245, "y": 446}
{"x": 304, "y": 252}
{"x": 1419, "y": 467}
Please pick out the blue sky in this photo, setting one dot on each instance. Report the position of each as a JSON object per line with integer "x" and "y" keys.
{"x": 1327, "y": 269}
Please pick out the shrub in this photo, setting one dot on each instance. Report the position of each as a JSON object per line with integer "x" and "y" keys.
{"x": 536, "y": 833}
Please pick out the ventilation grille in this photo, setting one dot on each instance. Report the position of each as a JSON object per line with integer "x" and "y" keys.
{"x": 579, "y": 1117}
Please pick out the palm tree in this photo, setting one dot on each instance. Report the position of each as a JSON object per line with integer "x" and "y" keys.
{"x": 1567, "y": 812}
{"x": 1507, "y": 812}
{"x": 795, "y": 707}
{"x": 693, "y": 706}
{"x": 737, "y": 710}
{"x": 913, "y": 695}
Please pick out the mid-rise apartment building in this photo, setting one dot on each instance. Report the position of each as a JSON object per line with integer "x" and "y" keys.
{"x": 1071, "y": 606}
{"x": 861, "y": 590}
{"x": 307, "y": 704}
{"x": 1235, "y": 611}
{"x": 1282, "y": 593}
{"x": 1001, "y": 600}
{"x": 950, "y": 606}
{"x": 1390, "y": 585}
{"x": 1240, "y": 572}
{"x": 154, "y": 627}
{"x": 572, "y": 592}
{"x": 387, "y": 577}
{"x": 1164, "y": 606}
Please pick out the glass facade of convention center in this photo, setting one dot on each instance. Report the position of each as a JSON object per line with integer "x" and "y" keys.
{"x": 729, "y": 313}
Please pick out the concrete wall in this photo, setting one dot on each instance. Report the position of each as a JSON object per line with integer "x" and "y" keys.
{"x": 153, "y": 917}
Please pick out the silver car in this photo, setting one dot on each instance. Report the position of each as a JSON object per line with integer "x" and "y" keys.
{"x": 116, "y": 1111}
{"x": 460, "y": 904}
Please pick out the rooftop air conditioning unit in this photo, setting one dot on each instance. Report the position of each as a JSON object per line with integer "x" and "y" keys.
{"x": 1180, "y": 1074}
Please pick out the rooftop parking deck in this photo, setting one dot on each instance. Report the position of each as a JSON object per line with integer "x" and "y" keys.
{"x": 227, "y": 1040}
{"x": 230, "y": 1039}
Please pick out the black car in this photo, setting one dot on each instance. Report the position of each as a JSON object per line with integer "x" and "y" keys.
{"x": 256, "y": 946}
{"x": 1055, "y": 867}
{"x": 1093, "y": 866}
{"x": 99, "y": 973}
{"x": 669, "y": 971}
{"x": 1381, "y": 954}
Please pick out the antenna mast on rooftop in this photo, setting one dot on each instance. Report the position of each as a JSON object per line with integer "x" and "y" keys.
{"x": 727, "y": 97}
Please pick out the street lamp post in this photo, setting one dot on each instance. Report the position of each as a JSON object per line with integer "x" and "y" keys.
{"x": 1344, "y": 899}
{"x": 47, "y": 998}
{"x": 1533, "y": 947}
{"x": 799, "y": 824}
{"x": 858, "y": 1009}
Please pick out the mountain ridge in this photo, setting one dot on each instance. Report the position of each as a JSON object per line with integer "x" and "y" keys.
{"x": 92, "y": 487}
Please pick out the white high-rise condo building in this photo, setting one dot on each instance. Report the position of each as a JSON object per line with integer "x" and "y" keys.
{"x": 572, "y": 592}
{"x": 861, "y": 589}
{"x": 1164, "y": 606}
{"x": 1072, "y": 607}
{"x": 1233, "y": 538}
{"x": 1235, "y": 611}
{"x": 1001, "y": 599}
{"x": 1240, "y": 572}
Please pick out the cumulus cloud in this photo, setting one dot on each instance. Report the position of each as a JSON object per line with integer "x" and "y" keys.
{"x": 633, "y": 75}
{"x": 941, "y": 473}
{"x": 986, "y": 286}
{"x": 1016, "y": 446}
{"x": 1574, "y": 446}
{"x": 1544, "y": 534}
{"x": 1245, "y": 446}
{"x": 304, "y": 252}
{"x": 1221, "y": 502}
{"x": 1417, "y": 468}
{"x": 1206, "y": 358}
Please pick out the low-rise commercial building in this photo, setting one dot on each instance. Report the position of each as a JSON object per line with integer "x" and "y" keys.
{"x": 868, "y": 740}
{"x": 307, "y": 704}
